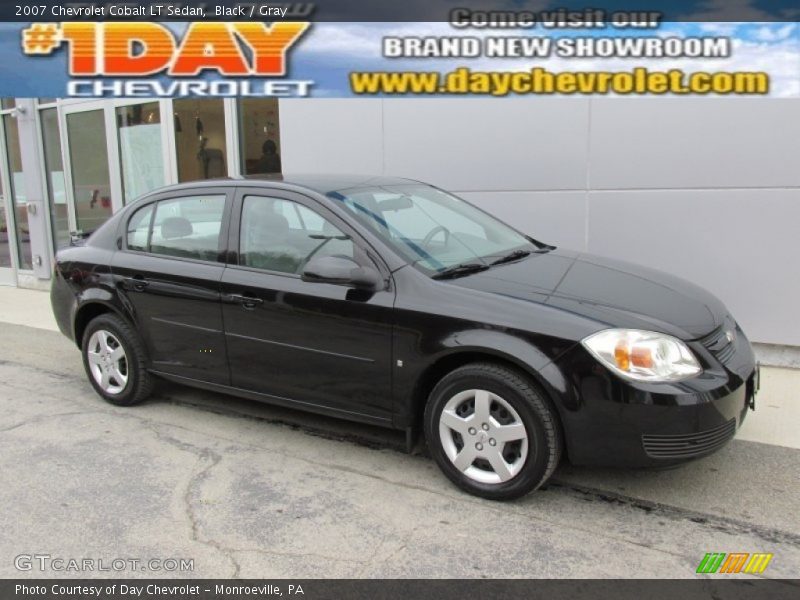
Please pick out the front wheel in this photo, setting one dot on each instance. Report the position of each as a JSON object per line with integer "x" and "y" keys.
{"x": 115, "y": 361}
{"x": 492, "y": 432}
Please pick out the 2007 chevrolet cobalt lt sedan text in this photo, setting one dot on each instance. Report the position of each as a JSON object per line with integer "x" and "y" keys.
{"x": 392, "y": 302}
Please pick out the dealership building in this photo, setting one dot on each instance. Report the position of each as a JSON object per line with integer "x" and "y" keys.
{"x": 707, "y": 189}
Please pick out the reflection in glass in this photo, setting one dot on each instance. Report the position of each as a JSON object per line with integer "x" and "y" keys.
{"x": 259, "y": 130}
{"x": 17, "y": 192}
{"x": 188, "y": 227}
{"x": 139, "y": 229}
{"x": 56, "y": 183}
{"x": 8, "y": 102}
{"x": 88, "y": 156}
{"x": 5, "y": 248}
{"x": 139, "y": 128}
{"x": 281, "y": 235}
{"x": 200, "y": 138}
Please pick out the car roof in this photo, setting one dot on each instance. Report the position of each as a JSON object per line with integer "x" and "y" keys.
{"x": 320, "y": 183}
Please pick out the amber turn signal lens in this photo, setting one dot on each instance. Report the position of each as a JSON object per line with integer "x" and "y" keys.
{"x": 636, "y": 356}
{"x": 622, "y": 356}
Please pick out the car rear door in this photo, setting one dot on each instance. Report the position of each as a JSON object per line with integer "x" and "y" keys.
{"x": 168, "y": 270}
{"x": 321, "y": 345}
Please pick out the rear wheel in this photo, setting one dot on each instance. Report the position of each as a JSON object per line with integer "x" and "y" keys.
{"x": 492, "y": 432}
{"x": 114, "y": 359}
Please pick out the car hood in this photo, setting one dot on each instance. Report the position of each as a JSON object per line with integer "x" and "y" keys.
{"x": 614, "y": 293}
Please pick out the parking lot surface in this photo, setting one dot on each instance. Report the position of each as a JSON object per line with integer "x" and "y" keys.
{"x": 249, "y": 490}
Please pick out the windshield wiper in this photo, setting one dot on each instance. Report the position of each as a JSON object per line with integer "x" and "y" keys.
{"x": 460, "y": 269}
{"x": 511, "y": 256}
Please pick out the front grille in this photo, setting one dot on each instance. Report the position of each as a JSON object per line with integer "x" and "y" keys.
{"x": 718, "y": 343}
{"x": 688, "y": 444}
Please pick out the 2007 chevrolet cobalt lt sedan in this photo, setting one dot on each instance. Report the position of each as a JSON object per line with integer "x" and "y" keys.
{"x": 392, "y": 302}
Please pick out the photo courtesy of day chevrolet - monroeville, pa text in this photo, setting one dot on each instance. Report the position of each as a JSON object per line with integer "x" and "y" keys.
{"x": 424, "y": 299}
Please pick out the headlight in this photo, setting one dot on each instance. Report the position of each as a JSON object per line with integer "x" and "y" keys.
{"x": 643, "y": 355}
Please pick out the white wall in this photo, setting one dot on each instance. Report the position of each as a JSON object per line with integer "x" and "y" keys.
{"x": 708, "y": 189}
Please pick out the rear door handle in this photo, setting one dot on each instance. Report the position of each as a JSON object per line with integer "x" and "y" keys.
{"x": 138, "y": 283}
{"x": 246, "y": 300}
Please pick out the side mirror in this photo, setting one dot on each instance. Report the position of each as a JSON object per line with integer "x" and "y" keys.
{"x": 341, "y": 270}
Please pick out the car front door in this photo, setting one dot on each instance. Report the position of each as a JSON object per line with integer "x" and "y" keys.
{"x": 315, "y": 344}
{"x": 169, "y": 270}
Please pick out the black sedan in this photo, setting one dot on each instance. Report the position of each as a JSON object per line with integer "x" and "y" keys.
{"x": 392, "y": 302}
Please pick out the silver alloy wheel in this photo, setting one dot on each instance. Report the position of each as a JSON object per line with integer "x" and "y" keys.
{"x": 483, "y": 436}
{"x": 107, "y": 362}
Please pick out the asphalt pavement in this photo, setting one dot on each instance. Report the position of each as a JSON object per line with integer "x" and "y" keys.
{"x": 243, "y": 489}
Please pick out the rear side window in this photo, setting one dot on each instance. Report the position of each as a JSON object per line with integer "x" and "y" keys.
{"x": 186, "y": 227}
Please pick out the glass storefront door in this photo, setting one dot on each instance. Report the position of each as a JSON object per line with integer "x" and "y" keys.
{"x": 6, "y": 228}
{"x": 97, "y": 155}
{"x": 54, "y": 173}
{"x": 113, "y": 151}
{"x": 88, "y": 155}
{"x": 139, "y": 134}
{"x": 16, "y": 242}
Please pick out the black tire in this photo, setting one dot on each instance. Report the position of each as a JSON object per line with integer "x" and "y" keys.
{"x": 541, "y": 425}
{"x": 139, "y": 384}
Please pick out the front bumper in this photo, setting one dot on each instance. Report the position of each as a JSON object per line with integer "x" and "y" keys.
{"x": 612, "y": 422}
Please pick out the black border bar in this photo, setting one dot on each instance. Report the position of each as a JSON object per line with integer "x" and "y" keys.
{"x": 398, "y": 10}
{"x": 728, "y": 588}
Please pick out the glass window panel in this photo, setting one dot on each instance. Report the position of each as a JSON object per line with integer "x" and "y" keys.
{"x": 8, "y": 102}
{"x": 88, "y": 157}
{"x": 310, "y": 220}
{"x": 188, "y": 227}
{"x": 139, "y": 127}
{"x": 200, "y": 145}
{"x": 46, "y": 100}
{"x": 17, "y": 192}
{"x": 431, "y": 227}
{"x": 259, "y": 134}
{"x": 139, "y": 228}
{"x": 280, "y": 235}
{"x": 5, "y": 248}
{"x": 56, "y": 183}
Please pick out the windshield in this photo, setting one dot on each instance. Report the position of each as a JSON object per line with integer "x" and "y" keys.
{"x": 431, "y": 228}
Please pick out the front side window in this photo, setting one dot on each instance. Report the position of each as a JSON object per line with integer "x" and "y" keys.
{"x": 281, "y": 235}
{"x": 432, "y": 229}
{"x": 182, "y": 227}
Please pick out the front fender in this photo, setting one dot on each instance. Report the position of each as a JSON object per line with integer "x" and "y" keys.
{"x": 421, "y": 363}
{"x": 503, "y": 345}
{"x": 523, "y": 353}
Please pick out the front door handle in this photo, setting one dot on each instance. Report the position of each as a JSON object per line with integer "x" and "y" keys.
{"x": 137, "y": 282}
{"x": 246, "y": 300}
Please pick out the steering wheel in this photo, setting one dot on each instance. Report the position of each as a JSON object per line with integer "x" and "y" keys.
{"x": 429, "y": 238}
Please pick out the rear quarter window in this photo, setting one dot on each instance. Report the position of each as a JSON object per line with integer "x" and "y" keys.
{"x": 138, "y": 232}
